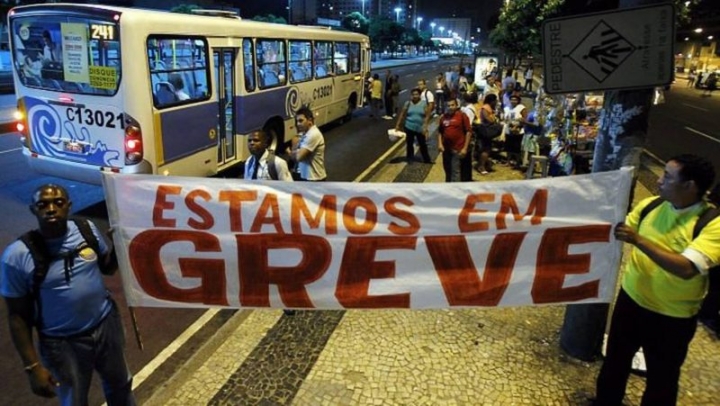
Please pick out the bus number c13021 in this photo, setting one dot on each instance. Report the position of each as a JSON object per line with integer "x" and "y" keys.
{"x": 96, "y": 118}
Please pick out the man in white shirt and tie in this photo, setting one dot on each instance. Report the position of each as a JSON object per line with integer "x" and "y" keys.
{"x": 263, "y": 164}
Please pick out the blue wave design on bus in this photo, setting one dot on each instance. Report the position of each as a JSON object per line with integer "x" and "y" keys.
{"x": 293, "y": 101}
{"x": 48, "y": 137}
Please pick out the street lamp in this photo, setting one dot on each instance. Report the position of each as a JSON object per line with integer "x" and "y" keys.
{"x": 363, "y": 7}
{"x": 397, "y": 14}
{"x": 419, "y": 20}
{"x": 441, "y": 30}
{"x": 432, "y": 29}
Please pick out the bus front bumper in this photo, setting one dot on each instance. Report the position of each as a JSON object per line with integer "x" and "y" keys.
{"x": 76, "y": 171}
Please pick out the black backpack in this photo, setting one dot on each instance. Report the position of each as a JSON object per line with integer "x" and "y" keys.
{"x": 272, "y": 169}
{"x": 42, "y": 259}
{"x": 705, "y": 217}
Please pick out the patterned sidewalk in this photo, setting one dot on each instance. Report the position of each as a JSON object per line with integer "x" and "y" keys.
{"x": 506, "y": 356}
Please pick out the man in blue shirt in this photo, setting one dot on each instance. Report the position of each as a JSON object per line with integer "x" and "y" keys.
{"x": 78, "y": 324}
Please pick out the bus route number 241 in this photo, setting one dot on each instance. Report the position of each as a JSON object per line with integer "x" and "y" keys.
{"x": 98, "y": 118}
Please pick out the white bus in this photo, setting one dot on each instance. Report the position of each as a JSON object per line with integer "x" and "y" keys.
{"x": 104, "y": 88}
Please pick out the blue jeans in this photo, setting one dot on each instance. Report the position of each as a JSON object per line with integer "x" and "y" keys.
{"x": 451, "y": 165}
{"x": 71, "y": 360}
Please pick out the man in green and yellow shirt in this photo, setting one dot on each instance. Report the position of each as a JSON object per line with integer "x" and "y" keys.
{"x": 663, "y": 286}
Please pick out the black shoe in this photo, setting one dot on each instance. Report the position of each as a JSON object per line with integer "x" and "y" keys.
{"x": 288, "y": 312}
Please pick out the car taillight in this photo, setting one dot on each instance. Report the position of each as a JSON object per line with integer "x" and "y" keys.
{"x": 133, "y": 145}
{"x": 21, "y": 122}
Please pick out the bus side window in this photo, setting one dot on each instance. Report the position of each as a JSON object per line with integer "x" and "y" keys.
{"x": 249, "y": 65}
{"x": 178, "y": 70}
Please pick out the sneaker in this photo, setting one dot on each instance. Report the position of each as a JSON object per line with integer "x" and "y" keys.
{"x": 484, "y": 173}
{"x": 387, "y": 117}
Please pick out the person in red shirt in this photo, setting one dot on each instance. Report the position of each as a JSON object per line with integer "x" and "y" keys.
{"x": 454, "y": 133}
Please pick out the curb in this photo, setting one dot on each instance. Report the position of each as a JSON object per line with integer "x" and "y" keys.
{"x": 378, "y": 165}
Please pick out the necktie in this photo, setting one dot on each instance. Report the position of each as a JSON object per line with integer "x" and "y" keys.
{"x": 256, "y": 166}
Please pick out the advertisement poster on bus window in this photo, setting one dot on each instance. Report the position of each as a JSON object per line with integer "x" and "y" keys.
{"x": 75, "y": 52}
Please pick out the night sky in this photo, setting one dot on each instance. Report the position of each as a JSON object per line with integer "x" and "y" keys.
{"x": 479, "y": 10}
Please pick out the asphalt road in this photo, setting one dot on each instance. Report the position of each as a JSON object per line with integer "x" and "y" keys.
{"x": 351, "y": 148}
{"x": 686, "y": 123}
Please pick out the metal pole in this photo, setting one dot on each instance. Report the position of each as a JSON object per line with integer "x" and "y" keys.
{"x": 138, "y": 337}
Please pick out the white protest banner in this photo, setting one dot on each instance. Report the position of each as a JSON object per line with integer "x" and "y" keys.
{"x": 192, "y": 242}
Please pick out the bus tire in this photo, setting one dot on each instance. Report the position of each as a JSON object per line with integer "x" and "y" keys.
{"x": 352, "y": 105}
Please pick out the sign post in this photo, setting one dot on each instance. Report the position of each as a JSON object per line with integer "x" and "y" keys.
{"x": 621, "y": 49}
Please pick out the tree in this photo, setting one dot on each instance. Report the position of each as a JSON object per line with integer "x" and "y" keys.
{"x": 185, "y": 8}
{"x": 384, "y": 32}
{"x": 356, "y": 22}
{"x": 518, "y": 29}
{"x": 270, "y": 18}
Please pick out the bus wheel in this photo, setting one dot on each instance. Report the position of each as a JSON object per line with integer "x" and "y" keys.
{"x": 352, "y": 104}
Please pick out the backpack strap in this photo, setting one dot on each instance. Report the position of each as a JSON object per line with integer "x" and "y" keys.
{"x": 83, "y": 226}
{"x": 40, "y": 256}
{"x": 272, "y": 169}
{"x": 705, "y": 218}
{"x": 35, "y": 243}
{"x": 650, "y": 207}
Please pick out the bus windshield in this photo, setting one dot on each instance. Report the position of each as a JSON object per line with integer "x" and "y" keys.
{"x": 67, "y": 53}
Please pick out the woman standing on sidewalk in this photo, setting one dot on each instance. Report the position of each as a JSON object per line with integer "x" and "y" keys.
{"x": 440, "y": 89}
{"x": 487, "y": 119}
{"x": 414, "y": 118}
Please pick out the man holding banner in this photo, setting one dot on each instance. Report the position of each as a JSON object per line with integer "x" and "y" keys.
{"x": 664, "y": 284}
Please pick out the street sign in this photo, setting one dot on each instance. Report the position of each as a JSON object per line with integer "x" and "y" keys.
{"x": 622, "y": 49}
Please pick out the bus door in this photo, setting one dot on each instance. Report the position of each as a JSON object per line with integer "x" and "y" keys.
{"x": 225, "y": 92}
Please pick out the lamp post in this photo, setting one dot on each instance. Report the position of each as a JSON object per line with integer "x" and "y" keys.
{"x": 363, "y": 7}
{"x": 432, "y": 29}
{"x": 441, "y": 30}
{"x": 289, "y": 8}
{"x": 397, "y": 14}
{"x": 418, "y": 21}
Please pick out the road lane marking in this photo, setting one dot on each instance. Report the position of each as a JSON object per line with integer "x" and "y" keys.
{"x": 711, "y": 138}
{"x": 379, "y": 161}
{"x": 695, "y": 107}
{"x": 10, "y": 150}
